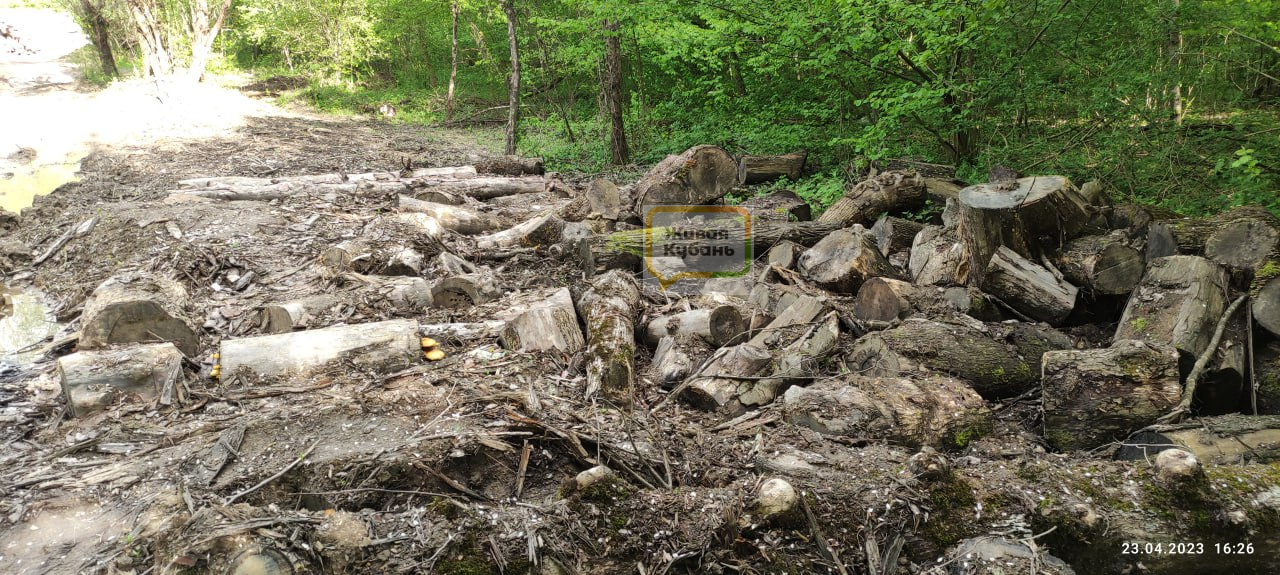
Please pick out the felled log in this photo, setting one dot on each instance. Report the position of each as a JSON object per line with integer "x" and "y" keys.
{"x": 380, "y": 347}
{"x": 1101, "y": 264}
{"x": 544, "y": 230}
{"x": 403, "y": 294}
{"x": 297, "y": 314}
{"x": 927, "y": 411}
{"x": 885, "y": 299}
{"x": 938, "y": 258}
{"x": 511, "y": 166}
{"x": 462, "y": 332}
{"x": 609, "y": 310}
{"x": 542, "y": 320}
{"x": 93, "y": 380}
{"x": 779, "y": 206}
{"x": 464, "y": 291}
{"x": 1096, "y": 396}
{"x": 998, "y": 359}
{"x": 1023, "y": 216}
{"x": 482, "y": 188}
{"x": 137, "y": 308}
{"x": 716, "y": 384}
{"x": 268, "y": 192}
{"x": 1245, "y": 237}
{"x": 795, "y": 363}
{"x": 1178, "y": 303}
{"x": 457, "y": 218}
{"x": 895, "y": 235}
{"x": 333, "y": 178}
{"x": 382, "y": 244}
{"x": 699, "y": 175}
{"x": 1266, "y": 362}
{"x": 676, "y": 356}
{"x": 862, "y": 203}
{"x": 760, "y": 169}
{"x": 1231, "y": 439}
{"x": 1266, "y": 298}
{"x": 845, "y": 259}
{"x": 716, "y": 326}
{"x": 1028, "y": 287}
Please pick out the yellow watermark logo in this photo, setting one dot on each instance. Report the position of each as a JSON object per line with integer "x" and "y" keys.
{"x": 696, "y": 243}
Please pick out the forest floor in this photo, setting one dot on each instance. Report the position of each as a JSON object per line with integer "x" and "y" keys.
{"x": 465, "y": 465}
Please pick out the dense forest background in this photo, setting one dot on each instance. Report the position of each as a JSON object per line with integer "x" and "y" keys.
{"x": 1173, "y": 102}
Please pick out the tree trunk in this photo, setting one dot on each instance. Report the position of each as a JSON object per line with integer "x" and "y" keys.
{"x": 453, "y": 61}
{"x": 99, "y": 34}
{"x": 151, "y": 37}
{"x": 760, "y": 169}
{"x": 1179, "y": 302}
{"x": 543, "y": 230}
{"x": 1101, "y": 264}
{"x": 699, "y": 175}
{"x": 542, "y": 321}
{"x": 93, "y": 380}
{"x": 136, "y": 309}
{"x": 1028, "y": 287}
{"x": 717, "y": 326}
{"x": 613, "y": 95}
{"x": 382, "y": 347}
{"x": 863, "y": 203}
{"x": 1024, "y": 216}
{"x": 845, "y": 259}
{"x": 205, "y": 26}
{"x": 513, "y": 82}
{"x": 609, "y": 310}
{"x": 456, "y": 218}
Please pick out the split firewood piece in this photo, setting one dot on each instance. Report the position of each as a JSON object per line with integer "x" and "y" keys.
{"x": 894, "y": 235}
{"x": 699, "y": 175}
{"x": 676, "y": 357}
{"x": 932, "y": 411}
{"x": 544, "y": 230}
{"x": 885, "y": 299}
{"x": 845, "y": 259}
{"x": 382, "y": 347}
{"x": 998, "y": 359}
{"x": 93, "y": 380}
{"x": 511, "y": 166}
{"x": 779, "y": 206}
{"x": 938, "y": 258}
{"x": 1102, "y": 264}
{"x": 382, "y": 244}
{"x": 1028, "y": 287}
{"x": 297, "y": 314}
{"x": 1022, "y": 216}
{"x": 137, "y": 308}
{"x": 785, "y": 254}
{"x": 457, "y": 218}
{"x": 890, "y": 192}
{"x": 542, "y": 320}
{"x": 1178, "y": 303}
{"x": 716, "y": 325}
{"x": 1095, "y": 396}
{"x": 609, "y": 309}
{"x": 796, "y": 363}
{"x": 715, "y": 385}
{"x": 760, "y": 169}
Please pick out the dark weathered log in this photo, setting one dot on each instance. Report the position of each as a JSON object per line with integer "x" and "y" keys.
{"x": 1028, "y": 287}
{"x": 890, "y": 192}
{"x": 1101, "y": 264}
{"x": 383, "y": 347}
{"x": 938, "y": 258}
{"x": 895, "y": 235}
{"x": 93, "y": 380}
{"x": 511, "y": 166}
{"x": 1266, "y": 298}
{"x": 760, "y": 169}
{"x": 609, "y": 310}
{"x": 780, "y": 206}
{"x": 1024, "y": 216}
{"x": 883, "y": 299}
{"x": 716, "y": 325}
{"x": 542, "y": 320}
{"x": 1266, "y": 362}
{"x": 1096, "y": 396}
{"x": 714, "y": 386}
{"x": 998, "y": 359}
{"x": 785, "y": 254}
{"x": 676, "y": 357}
{"x": 137, "y": 308}
{"x": 457, "y": 218}
{"x": 297, "y": 314}
{"x": 544, "y": 230}
{"x": 699, "y": 175}
{"x": 1178, "y": 303}
{"x": 845, "y": 259}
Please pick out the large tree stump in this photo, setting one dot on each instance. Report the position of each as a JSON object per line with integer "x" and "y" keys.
{"x": 1028, "y": 287}
{"x": 137, "y": 308}
{"x": 457, "y": 218}
{"x": 541, "y": 321}
{"x": 93, "y": 380}
{"x": 1179, "y": 302}
{"x": 381, "y": 347}
{"x": 1023, "y": 216}
{"x": 890, "y": 192}
{"x": 998, "y": 359}
{"x": 511, "y": 166}
{"x": 716, "y": 325}
{"x": 1096, "y": 396}
{"x": 700, "y": 175}
{"x": 609, "y": 310}
{"x": 938, "y": 258}
{"x": 845, "y": 259}
{"x": 1101, "y": 264}
{"x": 760, "y": 169}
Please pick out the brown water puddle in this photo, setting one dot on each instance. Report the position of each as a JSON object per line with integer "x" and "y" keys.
{"x": 27, "y": 182}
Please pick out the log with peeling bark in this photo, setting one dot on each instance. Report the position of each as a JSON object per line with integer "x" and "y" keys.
{"x": 511, "y": 166}
{"x": 1025, "y": 215}
{"x": 297, "y": 314}
{"x": 609, "y": 310}
{"x": 779, "y": 206}
{"x": 463, "y": 332}
{"x": 760, "y": 169}
{"x": 938, "y": 258}
{"x": 1028, "y": 287}
{"x": 333, "y": 178}
{"x": 895, "y": 235}
{"x": 138, "y": 308}
{"x": 1101, "y": 264}
{"x": 796, "y": 363}
{"x": 542, "y": 320}
{"x": 715, "y": 385}
{"x": 845, "y": 259}
{"x": 676, "y": 357}
{"x": 1178, "y": 302}
{"x": 716, "y": 325}
{"x": 885, "y": 299}
{"x": 93, "y": 380}
{"x": 890, "y": 192}
{"x": 544, "y": 230}
{"x": 1096, "y": 396}
{"x": 482, "y": 187}
{"x": 998, "y": 359}
{"x": 699, "y": 175}
{"x": 457, "y": 218}
{"x": 381, "y": 347}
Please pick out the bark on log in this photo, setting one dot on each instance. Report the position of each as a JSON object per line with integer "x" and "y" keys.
{"x": 544, "y": 230}
{"x": 137, "y": 308}
{"x": 883, "y": 299}
{"x": 297, "y": 314}
{"x": 609, "y": 310}
{"x": 796, "y": 363}
{"x": 93, "y": 380}
{"x": 541, "y": 321}
{"x": 699, "y": 175}
{"x": 1245, "y": 237}
{"x": 457, "y": 218}
{"x": 760, "y": 169}
{"x": 1266, "y": 298}
{"x": 1101, "y": 264}
{"x": 1095, "y": 396}
{"x": 380, "y": 347}
{"x": 1178, "y": 303}
{"x": 891, "y": 192}
{"x": 895, "y": 235}
{"x": 483, "y": 188}
{"x": 714, "y": 386}
{"x": 1029, "y": 288}
{"x": 785, "y": 254}
{"x": 998, "y": 359}
{"x": 938, "y": 258}
{"x": 462, "y": 332}
{"x": 845, "y": 259}
{"x": 715, "y": 325}
{"x": 781, "y": 206}
{"x": 460, "y": 172}
{"x": 676, "y": 356}
{"x": 511, "y": 166}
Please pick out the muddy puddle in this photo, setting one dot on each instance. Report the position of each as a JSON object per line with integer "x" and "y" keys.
{"x": 25, "y": 324}
{"x": 19, "y": 188}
